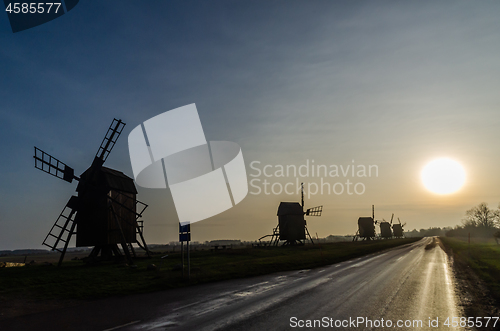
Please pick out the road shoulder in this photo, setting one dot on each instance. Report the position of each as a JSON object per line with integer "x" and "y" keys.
{"x": 475, "y": 297}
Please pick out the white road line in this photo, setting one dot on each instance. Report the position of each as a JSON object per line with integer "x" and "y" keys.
{"x": 121, "y": 326}
{"x": 191, "y": 304}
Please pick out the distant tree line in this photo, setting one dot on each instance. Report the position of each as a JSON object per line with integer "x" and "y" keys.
{"x": 479, "y": 221}
{"x": 430, "y": 232}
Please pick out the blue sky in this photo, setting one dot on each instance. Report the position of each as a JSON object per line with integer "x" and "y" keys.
{"x": 390, "y": 83}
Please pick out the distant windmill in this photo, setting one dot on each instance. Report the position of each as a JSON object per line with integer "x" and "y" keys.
{"x": 385, "y": 229}
{"x": 366, "y": 227}
{"x": 105, "y": 212}
{"x": 398, "y": 229}
{"x": 292, "y": 227}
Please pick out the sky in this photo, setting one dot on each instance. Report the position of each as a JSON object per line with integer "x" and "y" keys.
{"x": 390, "y": 84}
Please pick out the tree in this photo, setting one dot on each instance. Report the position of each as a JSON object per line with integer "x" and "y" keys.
{"x": 481, "y": 216}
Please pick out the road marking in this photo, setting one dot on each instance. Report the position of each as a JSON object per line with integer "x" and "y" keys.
{"x": 365, "y": 261}
{"x": 263, "y": 283}
{"x": 121, "y": 326}
{"x": 191, "y": 304}
{"x": 322, "y": 270}
{"x": 167, "y": 323}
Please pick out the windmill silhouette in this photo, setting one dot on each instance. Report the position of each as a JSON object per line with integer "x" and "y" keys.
{"x": 398, "y": 229}
{"x": 292, "y": 226}
{"x": 385, "y": 228}
{"x": 104, "y": 214}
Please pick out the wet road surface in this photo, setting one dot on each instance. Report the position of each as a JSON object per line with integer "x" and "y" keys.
{"x": 404, "y": 288}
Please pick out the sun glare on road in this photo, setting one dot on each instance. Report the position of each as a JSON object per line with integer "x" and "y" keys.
{"x": 443, "y": 176}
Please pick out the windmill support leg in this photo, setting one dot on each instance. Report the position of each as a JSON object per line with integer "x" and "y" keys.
{"x": 95, "y": 251}
{"x": 127, "y": 253}
{"x": 276, "y": 236}
{"x": 132, "y": 249}
{"x": 67, "y": 242}
{"x": 310, "y": 238}
{"x": 124, "y": 241}
{"x": 144, "y": 245}
{"x": 115, "y": 250}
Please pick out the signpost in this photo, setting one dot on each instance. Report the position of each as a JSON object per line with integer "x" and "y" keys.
{"x": 185, "y": 236}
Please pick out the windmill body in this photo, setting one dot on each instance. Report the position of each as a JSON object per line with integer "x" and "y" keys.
{"x": 366, "y": 228}
{"x": 385, "y": 230}
{"x": 291, "y": 222}
{"x": 108, "y": 190}
{"x": 398, "y": 229}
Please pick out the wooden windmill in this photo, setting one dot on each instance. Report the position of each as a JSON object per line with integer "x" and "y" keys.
{"x": 385, "y": 228}
{"x": 292, "y": 226}
{"x": 366, "y": 227}
{"x": 105, "y": 213}
{"x": 398, "y": 229}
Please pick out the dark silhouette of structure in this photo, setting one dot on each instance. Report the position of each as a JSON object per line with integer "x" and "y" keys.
{"x": 398, "y": 229}
{"x": 385, "y": 229}
{"x": 104, "y": 214}
{"x": 292, "y": 227}
{"x": 366, "y": 227}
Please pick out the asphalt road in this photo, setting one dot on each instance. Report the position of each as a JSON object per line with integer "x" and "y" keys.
{"x": 403, "y": 288}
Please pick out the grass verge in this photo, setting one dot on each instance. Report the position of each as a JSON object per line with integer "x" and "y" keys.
{"x": 482, "y": 258}
{"x": 75, "y": 280}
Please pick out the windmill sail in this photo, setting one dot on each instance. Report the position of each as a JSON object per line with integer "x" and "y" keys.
{"x": 315, "y": 211}
{"x": 49, "y": 164}
{"x": 114, "y": 131}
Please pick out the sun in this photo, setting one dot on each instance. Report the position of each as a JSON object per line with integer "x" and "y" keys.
{"x": 443, "y": 176}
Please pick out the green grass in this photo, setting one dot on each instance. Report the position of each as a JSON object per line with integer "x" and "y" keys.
{"x": 75, "y": 280}
{"x": 483, "y": 258}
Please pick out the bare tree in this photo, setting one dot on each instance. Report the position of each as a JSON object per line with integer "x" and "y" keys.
{"x": 481, "y": 216}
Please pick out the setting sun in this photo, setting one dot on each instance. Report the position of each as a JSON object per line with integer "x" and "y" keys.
{"x": 443, "y": 176}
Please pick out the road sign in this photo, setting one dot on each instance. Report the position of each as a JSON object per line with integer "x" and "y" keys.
{"x": 184, "y": 232}
{"x": 184, "y": 237}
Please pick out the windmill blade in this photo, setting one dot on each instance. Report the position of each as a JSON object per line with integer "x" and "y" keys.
{"x": 315, "y": 211}
{"x": 112, "y": 135}
{"x": 49, "y": 164}
{"x": 403, "y": 225}
{"x": 392, "y": 217}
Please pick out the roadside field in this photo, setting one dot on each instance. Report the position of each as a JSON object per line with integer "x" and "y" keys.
{"x": 76, "y": 280}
